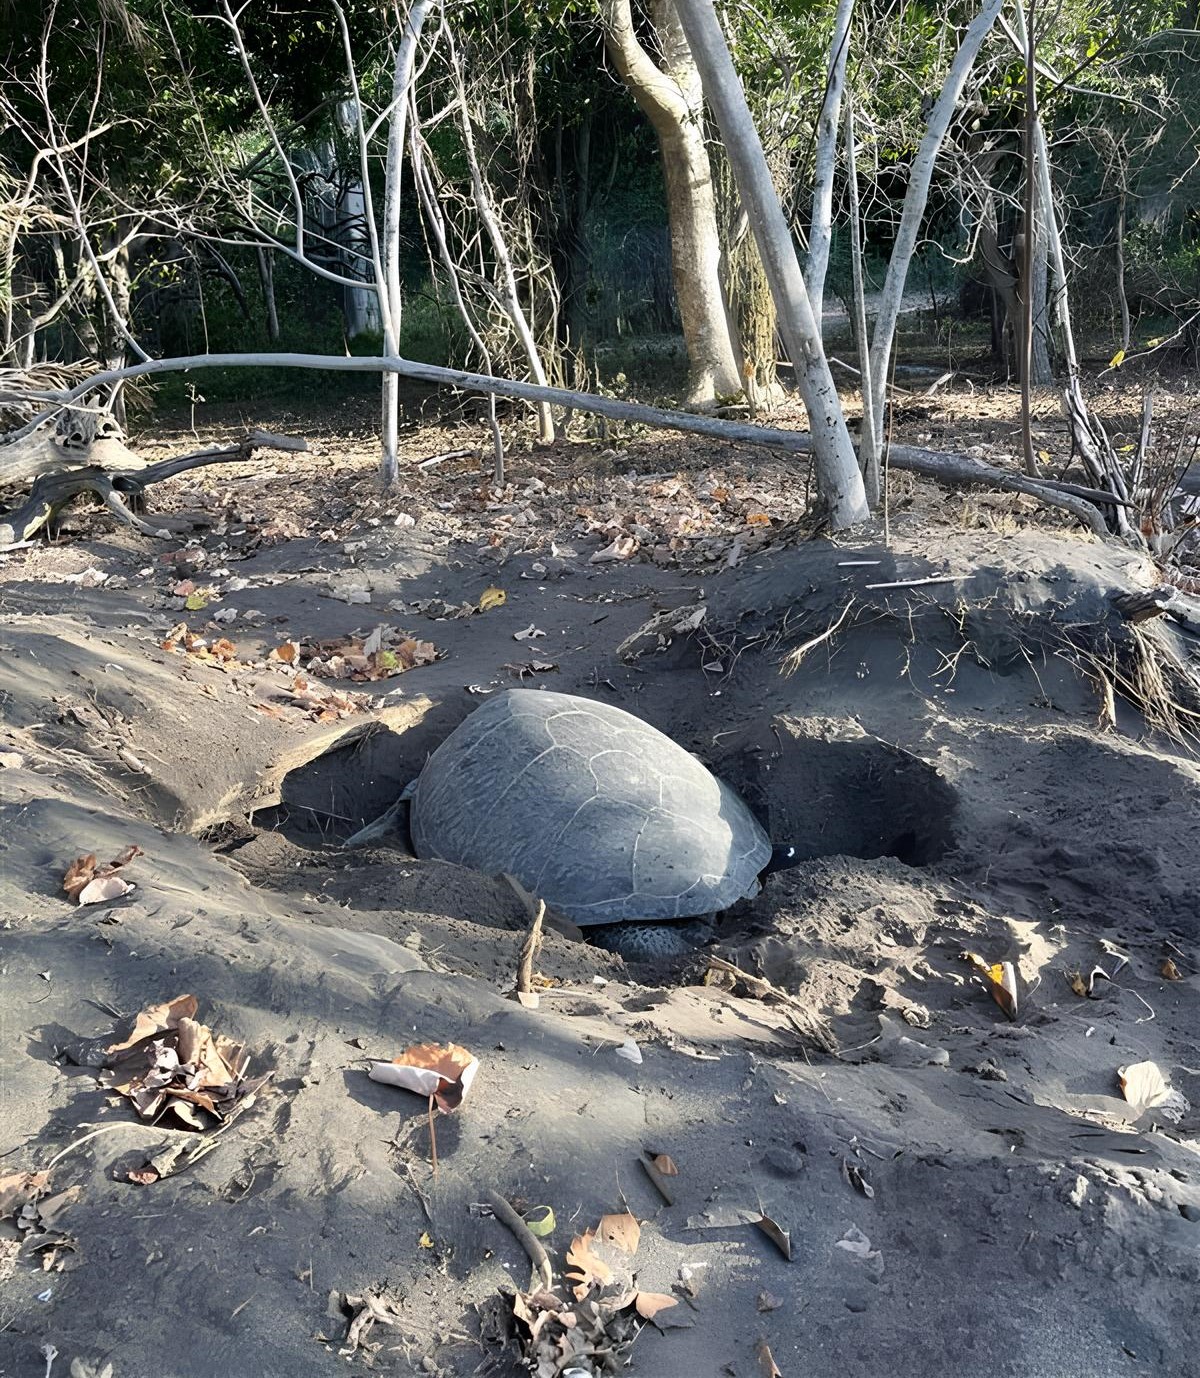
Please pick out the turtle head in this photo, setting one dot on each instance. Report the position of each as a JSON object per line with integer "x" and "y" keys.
{"x": 781, "y": 858}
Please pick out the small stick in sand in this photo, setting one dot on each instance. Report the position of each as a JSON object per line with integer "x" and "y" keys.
{"x": 917, "y": 583}
{"x": 528, "y": 1241}
{"x": 529, "y": 950}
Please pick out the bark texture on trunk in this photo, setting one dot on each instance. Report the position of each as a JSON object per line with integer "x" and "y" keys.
{"x": 672, "y": 99}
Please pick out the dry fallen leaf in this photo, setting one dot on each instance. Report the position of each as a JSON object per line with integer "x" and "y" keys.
{"x": 171, "y": 1063}
{"x": 87, "y": 883}
{"x": 776, "y": 1234}
{"x": 649, "y": 1304}
{"x": 492, "y": 598}
{"x": 766, "y": 1361}
{"x": 442, "y": 1072}
{"x": 1000, "y": 979}
{"x": 1145, "y": 1088}
{"x": 585, "y": 1269}
{"x": 621, "y": 1231}
{"x": 1169, "y": 971}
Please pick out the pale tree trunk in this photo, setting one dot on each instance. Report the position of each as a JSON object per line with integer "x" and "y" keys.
{"x": 402, "y": 70}
{"x": 915, "y": 200}
{"x": 1122, "y": 295}
{"x": 361, "y": 304}
{"x": 266, "y": 278}
{"x": 839, "y": 481}
{"x": 1043, "y": 369}
{"x": 116, "y": 264}
{"x": 868, "y": 451}
{"x": 672, "y": 99}
{"x": 820, "y": 233}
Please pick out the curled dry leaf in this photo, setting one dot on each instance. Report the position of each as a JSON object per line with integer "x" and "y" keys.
{"x": 776, "y": 1234}
{"x": 492, "y": 598}
{"x": 665, "y": 1164}
{"x": 19, "y": 1189}
{"x": 87, "y": 883}
{"x": 531, "y": 633}
{"x": 1169, "y": 971}
{"x": 1145, "y": 1088}
{"x": 442, "y": 1071}
{"x": 1000, "y": 979}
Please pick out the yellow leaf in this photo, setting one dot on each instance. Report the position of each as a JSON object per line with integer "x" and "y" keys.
{"x": 492, "y": 598}
{"x": 1044, "y": 456}
{"x": 1117, "y": 359}
{"x": 195, "y": 601}
{"x": 425, "y": 1242}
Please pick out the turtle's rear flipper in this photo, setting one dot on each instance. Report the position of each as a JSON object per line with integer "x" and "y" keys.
{"x": 646, "y": 942}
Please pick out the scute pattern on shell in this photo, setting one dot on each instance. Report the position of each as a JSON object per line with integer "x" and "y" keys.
{"x": 591, "y": 808}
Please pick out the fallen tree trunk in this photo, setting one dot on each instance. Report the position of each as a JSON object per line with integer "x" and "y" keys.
{"x": 52, "y": 492}
{"x": 957, "y": 470}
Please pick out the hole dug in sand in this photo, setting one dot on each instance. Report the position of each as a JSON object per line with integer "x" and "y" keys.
{"x": 829, "y": 788}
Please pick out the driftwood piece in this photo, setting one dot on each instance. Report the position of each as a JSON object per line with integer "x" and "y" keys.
{"x": 52, "y": 492}
{"x": 504, "y": 1212}
{"x": 1142, "y": 605}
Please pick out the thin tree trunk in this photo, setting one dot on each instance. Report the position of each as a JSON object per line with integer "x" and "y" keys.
{"x": 402, "y": 70}
{"x": 266, "y": 278}
{"x": 1025, "y": 349}
{"x": 838, "y": 478}
{"x": 1122, "y": 297}
{"x": 1043, "y": 371}
{"x": 916, "y": 199}
{"x": 672, "y": 100}
{"x": 1088, "y": 434}
{"x": 820, "y": 234}
{"x": 868, "y": 450}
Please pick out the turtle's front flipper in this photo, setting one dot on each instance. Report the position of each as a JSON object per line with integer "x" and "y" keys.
{"x": 380, "y": 827}
{"x": 646, "y": 942}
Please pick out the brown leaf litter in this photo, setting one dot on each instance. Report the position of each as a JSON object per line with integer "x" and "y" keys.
{"x": 173, "y": 1067}
{"x": 29, "y": 1221}
{"x": 591, "y": 1332}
